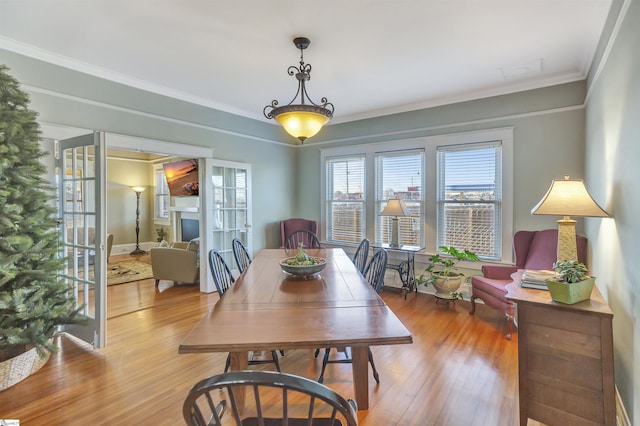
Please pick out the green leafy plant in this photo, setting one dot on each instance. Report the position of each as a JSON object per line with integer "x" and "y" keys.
{"x": 34, "y": 299}
{"x": 441, "y": 266}
{"x": 570, "y": 271}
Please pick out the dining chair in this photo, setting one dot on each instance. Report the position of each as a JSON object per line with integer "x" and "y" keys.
{"x": 361, "y": 255}
{"x": 271, "y": 399}
{"x": 375, "y": 269}
{"x": 241, "y": 255}
{"x": 289, "y": 225}
{"x": 308, "y": 239}
{"x": 224, "y": 280}
{"x": 374, "y": 274}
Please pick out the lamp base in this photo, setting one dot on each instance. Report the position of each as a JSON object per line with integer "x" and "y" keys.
{"x": 138, "y": 250}
{"x": 567, "y": 249}
{"x": 395, "y": 224}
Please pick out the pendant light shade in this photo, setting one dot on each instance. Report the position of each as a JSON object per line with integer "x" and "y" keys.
{"x": 301, "y": 124}
{"x": 305, "y": 119}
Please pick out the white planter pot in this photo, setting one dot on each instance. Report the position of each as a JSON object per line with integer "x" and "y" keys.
{"x": 18, "y": 368}
{"x": 444, "y": 286}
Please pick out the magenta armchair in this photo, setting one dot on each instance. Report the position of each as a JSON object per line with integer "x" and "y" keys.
{"x": 533, "y": 250}
{"x": 290, "y": 225}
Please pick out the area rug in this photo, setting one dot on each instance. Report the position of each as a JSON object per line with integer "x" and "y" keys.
{"x": 127, "y": 271}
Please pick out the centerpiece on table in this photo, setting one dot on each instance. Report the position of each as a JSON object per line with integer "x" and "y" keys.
{"x": 302, "y": 264}
{"x": 443, "y": 274}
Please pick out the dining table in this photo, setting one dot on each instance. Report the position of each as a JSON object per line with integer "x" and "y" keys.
{"x": 268, "y": 309}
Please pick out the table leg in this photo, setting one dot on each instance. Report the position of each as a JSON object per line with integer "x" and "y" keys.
{"x": 239, "y": 362}
{"x": 360, "y": 368}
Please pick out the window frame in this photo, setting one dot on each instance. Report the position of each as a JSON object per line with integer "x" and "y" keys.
{"x": 329, "y": 201}
{"x": 429, "y": 182}
{"x": 157, "y": 219}
{"x": 444, "y": 204}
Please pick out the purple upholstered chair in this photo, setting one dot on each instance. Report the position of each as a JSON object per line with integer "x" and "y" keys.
{"x": 533, "y": 250}
{"x": 290, "y": 225}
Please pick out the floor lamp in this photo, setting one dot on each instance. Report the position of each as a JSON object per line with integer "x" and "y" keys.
{"x": 395, "y": 208}
{"x": 138, "y": 190}
{"x": 568, "y": 197}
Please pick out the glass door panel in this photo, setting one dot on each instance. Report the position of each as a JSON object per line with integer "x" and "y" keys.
{"x": 82, "y": 231}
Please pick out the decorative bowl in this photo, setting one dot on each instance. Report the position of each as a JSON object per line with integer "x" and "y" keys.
{"x": 303, "y": 270}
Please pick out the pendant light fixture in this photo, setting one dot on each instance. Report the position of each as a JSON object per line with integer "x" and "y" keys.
{"x": 305, "y": 119}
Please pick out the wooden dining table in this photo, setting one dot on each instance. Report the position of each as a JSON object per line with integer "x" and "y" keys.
{"x": 267, "y": 309}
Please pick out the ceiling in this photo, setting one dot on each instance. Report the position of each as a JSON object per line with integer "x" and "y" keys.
{"x": 369, "y": 57}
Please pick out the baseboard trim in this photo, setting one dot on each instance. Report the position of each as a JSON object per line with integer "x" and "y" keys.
{"x": 621, "y": 412}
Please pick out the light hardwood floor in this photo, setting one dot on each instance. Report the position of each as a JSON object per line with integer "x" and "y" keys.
{"x": 460, "y": 370}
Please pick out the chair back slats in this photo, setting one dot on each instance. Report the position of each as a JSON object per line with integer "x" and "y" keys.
{"x": 361, "y": 255}
{"x": 220, "y": 270}
{"x": 241, "y": 255}
{"x": 270, "y": 399}
{"x": 308, "y": 239}
{"x": 374, "y": 272}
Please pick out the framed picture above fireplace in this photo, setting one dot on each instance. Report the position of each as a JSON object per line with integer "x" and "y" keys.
{"x": 182, "y": 178}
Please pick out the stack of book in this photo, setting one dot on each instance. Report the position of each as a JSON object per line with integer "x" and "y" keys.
{"x": 536, "y": 278}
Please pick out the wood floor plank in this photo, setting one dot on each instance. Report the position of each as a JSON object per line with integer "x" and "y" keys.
{"x": 460, "y": 370}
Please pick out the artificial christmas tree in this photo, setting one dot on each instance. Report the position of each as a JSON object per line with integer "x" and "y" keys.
{"x": 34, "y": 300}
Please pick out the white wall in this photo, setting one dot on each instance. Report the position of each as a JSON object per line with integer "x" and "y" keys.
{"x": 613, "y": 176}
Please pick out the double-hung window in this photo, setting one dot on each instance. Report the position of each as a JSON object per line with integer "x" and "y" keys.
{"x": 345, "y": 199}
{"x": 469, "y": 198}
{"x": 399, "y": 174}
{"x": 457, "y": 187}
{"x": 161, "y": 196}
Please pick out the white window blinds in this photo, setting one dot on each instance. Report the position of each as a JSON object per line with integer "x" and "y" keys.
{"x": 469, "y": 197}
{"x": 400, "y": 174}
{"x": 345, "y": 199}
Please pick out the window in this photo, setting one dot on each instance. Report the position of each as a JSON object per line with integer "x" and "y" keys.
{"x": 469, "y": 198}
{"x": 161, "y": 194}
{"x": 345, "y": 199}
{"x": 399, "y": 175}
{"x": 458, "y": 188}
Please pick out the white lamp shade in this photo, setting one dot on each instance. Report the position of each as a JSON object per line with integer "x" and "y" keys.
{"x": 396, "y": 208}
{"x": 568, "y": 197}
{"x": 138, "y": 188}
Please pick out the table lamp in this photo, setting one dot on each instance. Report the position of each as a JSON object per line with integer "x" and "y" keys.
{"x": 568, "y": 197}
{"x": 395, "y": 208}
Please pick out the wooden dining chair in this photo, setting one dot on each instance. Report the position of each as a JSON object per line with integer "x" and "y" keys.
{"x": 308, "y": 239}
{"x": 224, "y": 280}
{"x": 374, "y": 274}
{"x": 375, "y": 269}
{"x": 241, "y": 255}
{"x": 361, "y": 255}
{"x": 271, "y": 399}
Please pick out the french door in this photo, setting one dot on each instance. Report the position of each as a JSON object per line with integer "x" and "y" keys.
{"x": 227, "y": 209}
{"x": 81, "y": 181}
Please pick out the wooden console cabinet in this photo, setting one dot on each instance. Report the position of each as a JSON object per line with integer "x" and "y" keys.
{"x": 565, "y": 359}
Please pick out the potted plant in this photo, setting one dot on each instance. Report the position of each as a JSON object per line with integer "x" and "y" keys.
{"x": 443, "y": 274}
{"x": 572, "y": 284}
{"x": 34, "y": 299}
{"x": 161, "y": 233}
